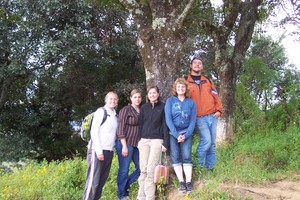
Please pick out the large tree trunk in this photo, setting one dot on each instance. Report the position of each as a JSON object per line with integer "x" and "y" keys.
{"x": 160, "y": 40}
{"x": 162, "y": 61}
{"x": 227, "y": 93}
{"x": 229, "y": 64}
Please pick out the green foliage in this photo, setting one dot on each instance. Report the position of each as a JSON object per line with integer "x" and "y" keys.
{"x": 285, "y": 112}
{"x": 161, "y": 189}
{"x": 54, "y": 180}
{"x": 257, "y": 76}
{"x": 252, "y": 158}
{"x": 261, "y": 70}
{"x": 271, "y": 52}
{"x": 248, "y": 118}
{"x": 267, "y": 92}
{"x": 62, "y": 62}
{"x": 258, "y": 156}
{"x": 123, "y": 89}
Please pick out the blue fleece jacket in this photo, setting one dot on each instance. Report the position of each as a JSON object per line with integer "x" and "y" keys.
{"x": 180, "y": 116}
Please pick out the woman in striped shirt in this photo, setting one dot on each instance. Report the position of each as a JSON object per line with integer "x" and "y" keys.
{"x": 126, "y": 144}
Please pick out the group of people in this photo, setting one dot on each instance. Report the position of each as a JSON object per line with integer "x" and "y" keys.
{"x": 142, "y": 132}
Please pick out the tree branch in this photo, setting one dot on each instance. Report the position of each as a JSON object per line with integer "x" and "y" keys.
{"x": 249, "y": 16}
{"x": 186, "y": 8}
{"x": 233, "y": 8}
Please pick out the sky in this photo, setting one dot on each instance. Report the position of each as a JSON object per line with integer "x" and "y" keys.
{"x": 293, "y": 48}
{"x": 291, "y": 42}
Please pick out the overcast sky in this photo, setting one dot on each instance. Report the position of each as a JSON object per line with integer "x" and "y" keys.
{"x": 291, "y": 41}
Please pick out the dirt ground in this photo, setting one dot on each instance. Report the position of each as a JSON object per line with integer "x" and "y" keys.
{"x": 283, "y": 189}
{"x": 279, "y": 190}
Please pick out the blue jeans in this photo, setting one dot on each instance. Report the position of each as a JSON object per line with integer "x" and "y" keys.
{"x": 206, "y": 150}
{"x": 123, "y": 180}
{"x": 181, "y": 153}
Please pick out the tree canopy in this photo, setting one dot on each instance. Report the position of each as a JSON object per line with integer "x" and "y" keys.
{"x": 60, "y": 58}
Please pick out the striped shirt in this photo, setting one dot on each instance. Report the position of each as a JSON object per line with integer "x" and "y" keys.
{"x": 128, "y": 125}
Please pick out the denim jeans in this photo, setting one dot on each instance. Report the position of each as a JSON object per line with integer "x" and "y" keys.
{"x": 124, "y": 180}
{"x": 206, "y": 150}
{"x": 181, "y": 153}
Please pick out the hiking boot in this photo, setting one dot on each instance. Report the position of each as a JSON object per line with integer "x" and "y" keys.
{"x": 182, "y": 187}
{"x": 189, "y": 187}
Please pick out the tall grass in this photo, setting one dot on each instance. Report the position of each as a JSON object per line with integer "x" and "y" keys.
{"x": 260, "y": 156}
{"x": 252, "y": 158}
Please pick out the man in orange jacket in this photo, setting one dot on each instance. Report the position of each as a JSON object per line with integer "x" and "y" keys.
{"x": 209, "y": 108}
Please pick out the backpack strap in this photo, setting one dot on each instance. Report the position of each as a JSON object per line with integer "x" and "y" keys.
{"x": 104, "y": 116}
{"x": 207, "y": 79}
{"x": 103, "y": 119}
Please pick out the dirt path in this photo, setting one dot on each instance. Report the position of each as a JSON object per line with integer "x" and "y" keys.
{"x": 280, "y": 190}
{"x": 283, "y": 189}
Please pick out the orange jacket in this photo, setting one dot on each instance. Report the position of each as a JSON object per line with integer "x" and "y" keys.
{"x": 205, "y": 96}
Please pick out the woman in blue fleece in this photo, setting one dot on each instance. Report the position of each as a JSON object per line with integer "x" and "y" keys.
{"x": 180, "y": 112}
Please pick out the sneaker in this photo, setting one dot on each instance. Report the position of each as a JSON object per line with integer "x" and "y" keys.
{"x": 189, "y": 187}
{"x": 182, "y": 187}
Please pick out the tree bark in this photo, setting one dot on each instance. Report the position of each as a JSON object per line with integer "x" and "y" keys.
{"x": 160, "y": 39}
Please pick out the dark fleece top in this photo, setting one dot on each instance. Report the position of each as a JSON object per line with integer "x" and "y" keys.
{"x": 152, "y": 123}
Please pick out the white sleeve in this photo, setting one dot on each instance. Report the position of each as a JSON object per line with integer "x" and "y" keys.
{"x": 95, "y": 131}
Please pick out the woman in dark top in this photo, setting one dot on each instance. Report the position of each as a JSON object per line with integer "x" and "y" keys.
{"x": 154, "y": 139}
{"x": 126, "y": 144}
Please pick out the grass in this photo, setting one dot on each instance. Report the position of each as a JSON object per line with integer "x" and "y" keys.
{"x": 250, "y": 158}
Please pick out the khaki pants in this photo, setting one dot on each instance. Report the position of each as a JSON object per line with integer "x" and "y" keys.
{"x": 150, "y": 150}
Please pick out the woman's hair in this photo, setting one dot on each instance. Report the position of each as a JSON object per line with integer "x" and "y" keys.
{"x": 149, "y": 88}
{"x": 181, "y": 81}
{"x": 109, "y": 93}
{"x": 135, "y": 91}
